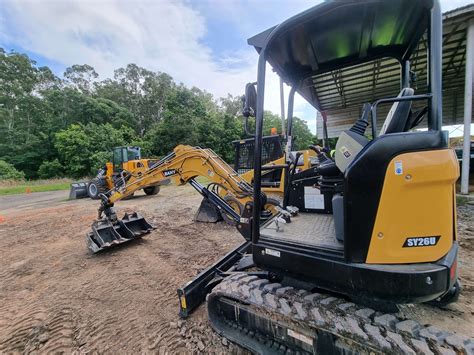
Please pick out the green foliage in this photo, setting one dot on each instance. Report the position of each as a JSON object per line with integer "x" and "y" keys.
{"x": 84, "y": 148}
{"x": 8, "y": 172}
{"x": 67, "y": 126}
{"x": 98, "y": 160}
{"x": 81, "y": 77}
{"x": 50, "y": 169}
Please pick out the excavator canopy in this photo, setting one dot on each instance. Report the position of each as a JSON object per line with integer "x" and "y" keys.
{"x": 339, "y": 34}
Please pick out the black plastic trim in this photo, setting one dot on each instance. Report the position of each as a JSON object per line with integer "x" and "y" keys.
{"x": 401, "y": 283}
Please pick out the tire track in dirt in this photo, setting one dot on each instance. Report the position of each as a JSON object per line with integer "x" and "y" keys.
{"x": 35, "y": 327}
{"x": 57, "y": 297}
{"x": 15, "y": 332}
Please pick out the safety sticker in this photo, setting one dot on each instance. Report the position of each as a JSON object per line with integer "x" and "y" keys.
{"x": 398, "y": 168}
{"x": 347, "y": 154}
{"x": 313, "y": 198}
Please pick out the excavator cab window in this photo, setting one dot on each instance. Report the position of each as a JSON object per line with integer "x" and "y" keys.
{"x": 118, "y": 158}
{"x": 124, "y": 154}
{"x": 133, "y": 153}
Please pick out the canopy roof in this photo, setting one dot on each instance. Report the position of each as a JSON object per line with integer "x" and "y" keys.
{"x": 349, "y": 52}
{"x": 338, "y": 34}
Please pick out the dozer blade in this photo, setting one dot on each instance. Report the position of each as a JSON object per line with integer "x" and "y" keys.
{"x": 207, "y": 212}
{"x": 106, "y": 234}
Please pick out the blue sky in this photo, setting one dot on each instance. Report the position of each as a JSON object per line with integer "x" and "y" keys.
{"x": 201, "y": 43}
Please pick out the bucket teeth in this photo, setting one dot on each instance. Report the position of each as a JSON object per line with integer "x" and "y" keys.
{"x": 106, "y": 234}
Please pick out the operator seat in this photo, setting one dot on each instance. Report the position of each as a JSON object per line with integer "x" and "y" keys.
{"x": 398, "y": 115}
{"x": 352, "y": 142}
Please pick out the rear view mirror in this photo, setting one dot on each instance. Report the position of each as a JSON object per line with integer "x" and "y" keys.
{"x": 250, "y": 100}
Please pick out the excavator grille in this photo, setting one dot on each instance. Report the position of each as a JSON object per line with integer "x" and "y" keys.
{"x": 244, "y": 152}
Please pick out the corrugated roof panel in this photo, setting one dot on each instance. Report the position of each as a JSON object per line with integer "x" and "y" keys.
{"x": 342, "y": 93}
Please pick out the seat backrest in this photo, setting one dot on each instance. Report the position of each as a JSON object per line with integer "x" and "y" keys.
{"x": 398, "y": 115}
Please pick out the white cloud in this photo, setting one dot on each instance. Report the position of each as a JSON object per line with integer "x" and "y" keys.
{"x": 156, "y": 34}
{"x": 159, "y": 35}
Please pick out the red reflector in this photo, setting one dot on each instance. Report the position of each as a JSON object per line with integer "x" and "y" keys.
{"x": 452, "y": 272}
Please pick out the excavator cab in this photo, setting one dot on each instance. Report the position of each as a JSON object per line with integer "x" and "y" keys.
{"x": 272, "y": 153}
{"x": 123, "y": 155}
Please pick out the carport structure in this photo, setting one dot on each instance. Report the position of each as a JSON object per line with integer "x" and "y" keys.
{"x": 339, "y": 95}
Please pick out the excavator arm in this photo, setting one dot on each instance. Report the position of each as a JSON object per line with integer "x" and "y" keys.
{"x": 183, "y": 164}
{"x": 227, "y": 192}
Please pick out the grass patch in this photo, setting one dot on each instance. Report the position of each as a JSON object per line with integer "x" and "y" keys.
{"x": 21, "y": 187}
{"x": 461, "y": 200}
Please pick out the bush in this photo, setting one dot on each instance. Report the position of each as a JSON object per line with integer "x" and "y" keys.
{"x": 51, "y": 169}
{"x": 98, "y": 160}
{"x": 8, "y": 172}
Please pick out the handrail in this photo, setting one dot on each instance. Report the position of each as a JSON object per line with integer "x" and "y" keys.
{"x": 392, "y": 99}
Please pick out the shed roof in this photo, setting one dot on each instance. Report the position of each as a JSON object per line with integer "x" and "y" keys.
{"x": 342, "y": 93}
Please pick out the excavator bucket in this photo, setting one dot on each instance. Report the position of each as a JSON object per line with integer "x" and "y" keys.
{"x": 207, "y": 213}
{"x": 106, "y": 234}
{"x": 78, "y": 190}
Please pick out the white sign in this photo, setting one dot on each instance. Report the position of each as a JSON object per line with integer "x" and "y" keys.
{"x": 313, "y": 198}
{"x": 301, "y": 337}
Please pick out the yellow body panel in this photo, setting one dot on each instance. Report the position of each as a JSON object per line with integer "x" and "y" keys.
{"x": 415, "y": 202}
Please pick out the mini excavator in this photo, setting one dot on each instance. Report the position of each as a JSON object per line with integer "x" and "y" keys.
{"x": 380, "y": 227}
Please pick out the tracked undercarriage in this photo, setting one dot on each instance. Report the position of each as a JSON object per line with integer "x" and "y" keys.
{"x": 267, "y": 317}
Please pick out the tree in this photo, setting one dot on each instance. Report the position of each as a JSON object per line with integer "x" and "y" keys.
{"x": 74, "y": 149}
{"x": 8, "y": 172}
{"x": 23, "y": 113}
{"x": 51, "y": 126}
{"x": 82, "y": 149}
{"x": 304, "y": 137}
{"x": 81, "y": 77}
{"x": 50, "y": 169}
{"x": 142, "y": 91}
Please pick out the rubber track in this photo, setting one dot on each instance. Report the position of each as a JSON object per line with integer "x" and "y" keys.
{"x": 352, "y": 328}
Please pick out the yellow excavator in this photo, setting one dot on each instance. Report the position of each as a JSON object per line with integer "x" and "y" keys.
{"x": 226, "y": 195}
{"x": 380, "y": 229}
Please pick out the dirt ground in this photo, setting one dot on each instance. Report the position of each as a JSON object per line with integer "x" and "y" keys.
{"x": 56, "y": 296}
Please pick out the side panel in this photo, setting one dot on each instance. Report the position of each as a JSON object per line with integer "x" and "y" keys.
{"x": 364, "y": 180}
{"x": 414, "y": 221}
